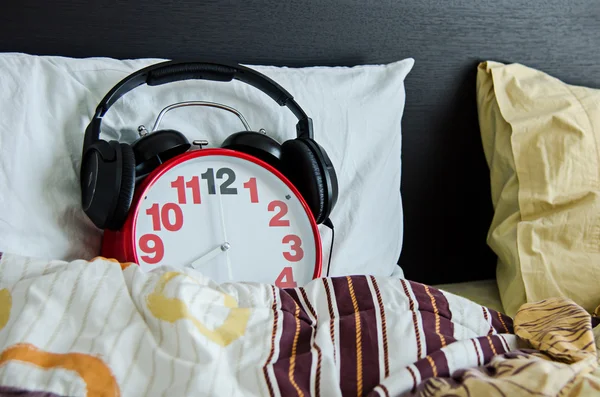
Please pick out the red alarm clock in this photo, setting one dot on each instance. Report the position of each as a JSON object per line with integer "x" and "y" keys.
{"x": 227, "y": 214}
{"x": 246, "y": 211}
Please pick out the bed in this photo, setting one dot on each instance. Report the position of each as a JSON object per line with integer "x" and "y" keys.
{"x": 464, "y": 138}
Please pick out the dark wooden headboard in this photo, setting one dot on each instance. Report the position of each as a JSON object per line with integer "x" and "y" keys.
{"x": 445, "y": 183}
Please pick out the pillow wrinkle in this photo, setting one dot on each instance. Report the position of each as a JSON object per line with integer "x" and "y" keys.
{"x": 550, "y": 129}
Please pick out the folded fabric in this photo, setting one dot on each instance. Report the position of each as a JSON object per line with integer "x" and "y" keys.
{"x": 106, "y": 328}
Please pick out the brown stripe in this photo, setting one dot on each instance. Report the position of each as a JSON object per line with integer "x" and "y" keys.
{"x": 293, "y": 355}
{"x": 438, "y": 329}
{"x": 370, "y": 339}
{"x": 486, "y": 350}
{"x": 303, "y": 314}
{"x": 308, "y": 304}
{"x": 358, "y": 327}
{"x": 437, "y": 316}
{"x": 412, "y": 373}
{"x": 487, "y": 318}
{"x": 307, "y": 342}
{"x": 442, "y": 304}
{"x": 293, "y": 366}
{"x": 433, "y": 368}
{"x": 385, "y": 390}
{"x": 273, "y": 333}
{"x": 318, "y": 375}
{"x": 501, "y": 323}
{"x": 414, "y": 318}
{"x": 441, "y": 362}
{"x": 331, "y": 317}
{"x": 315, "y": 345}
{"x": 386, "y": 363}
{"x": 434, "y": 365}
{"x": 349, "y": 328}
{"x": 477, "y": 352}
{"x": 491, "y": 345}
{"x": 506, "y": 320}
{"x": 497, "y": 343}
{"x": 443, "y": 307}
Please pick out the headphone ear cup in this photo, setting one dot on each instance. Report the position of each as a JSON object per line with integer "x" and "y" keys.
{"x": 106, "y": 188}
{"x": 304, "y": 165}
{"x": 126, "y": 189}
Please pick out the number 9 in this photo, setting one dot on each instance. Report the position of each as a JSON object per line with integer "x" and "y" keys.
{"x": 156, "y": 251}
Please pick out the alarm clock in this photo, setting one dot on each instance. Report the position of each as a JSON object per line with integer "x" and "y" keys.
{"x": 227, "y": 214}
{"x": 245, "y": 211}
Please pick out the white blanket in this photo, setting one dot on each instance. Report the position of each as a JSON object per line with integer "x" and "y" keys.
{"x": 104, "y": 328}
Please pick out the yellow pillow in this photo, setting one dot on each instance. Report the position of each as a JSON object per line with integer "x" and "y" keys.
{"x": 541, "y": 139}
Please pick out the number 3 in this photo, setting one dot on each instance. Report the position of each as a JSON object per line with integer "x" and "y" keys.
{"x": 298, "y": 252}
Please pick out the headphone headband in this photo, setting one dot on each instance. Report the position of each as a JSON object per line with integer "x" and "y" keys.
{"x": 171, "y": 71}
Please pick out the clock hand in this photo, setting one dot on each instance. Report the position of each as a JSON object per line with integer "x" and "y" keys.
{"x": 222, "y": 213}
{"x": 229, "y": 273}
{"x": 210, "y": 255}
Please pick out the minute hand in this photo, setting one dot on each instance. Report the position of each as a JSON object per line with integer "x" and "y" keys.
{"x": 210, "y": 255}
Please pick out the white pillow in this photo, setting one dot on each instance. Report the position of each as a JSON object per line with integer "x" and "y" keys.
{"x": 47, "y": 102}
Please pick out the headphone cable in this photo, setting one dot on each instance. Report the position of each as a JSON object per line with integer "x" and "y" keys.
{"x": 327, "y": 222}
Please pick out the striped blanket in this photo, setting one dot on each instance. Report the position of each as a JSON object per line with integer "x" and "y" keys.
{"x": 103, "y": 328}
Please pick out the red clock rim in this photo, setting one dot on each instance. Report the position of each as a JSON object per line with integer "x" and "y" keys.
{"x": 151, "y": 178}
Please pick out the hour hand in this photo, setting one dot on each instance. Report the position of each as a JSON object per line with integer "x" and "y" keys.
{"x": 210, "y": 255}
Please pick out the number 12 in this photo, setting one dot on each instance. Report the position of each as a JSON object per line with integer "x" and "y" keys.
{"x": 209, "y": 176}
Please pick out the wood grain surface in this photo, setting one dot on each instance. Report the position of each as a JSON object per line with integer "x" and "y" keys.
{"x": 445, "y": 182}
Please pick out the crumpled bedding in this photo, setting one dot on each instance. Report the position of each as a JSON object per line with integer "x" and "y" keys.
{"x": 104, "y": 328}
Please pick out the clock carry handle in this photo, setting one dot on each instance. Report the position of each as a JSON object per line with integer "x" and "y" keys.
{"x": 171, "y": 71}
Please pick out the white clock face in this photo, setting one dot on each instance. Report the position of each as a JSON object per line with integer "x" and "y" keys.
{"x": 228, "y": 217}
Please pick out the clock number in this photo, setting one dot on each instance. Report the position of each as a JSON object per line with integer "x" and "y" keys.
{"x": 193, "y": 184}
{"x": 157, "y": 214}
{"x": 225, "y": 189}
{"x": 156, "y": 251}
{"x": 180, "y": 186}
{"x": 296, "y": 247}
{"x": 286, "y": 278}
{"x": 251, "y": 185}
{"x": 283, "y": 209}
{"x": 209, "y": 175}
{"x": 166, "y": 219}
{"x": 154, "y": 213}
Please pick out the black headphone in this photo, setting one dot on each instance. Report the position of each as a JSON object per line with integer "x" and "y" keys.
{"x": 108, "y": 169}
